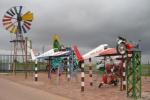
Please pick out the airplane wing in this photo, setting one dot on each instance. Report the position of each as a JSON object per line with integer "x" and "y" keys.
{"x": 60, "y": 53}
{"x": 93, "y": 53}
{"x": 49, "y": 53}
{"x": 108, "y": 52}
{"x": 45, "y": 54}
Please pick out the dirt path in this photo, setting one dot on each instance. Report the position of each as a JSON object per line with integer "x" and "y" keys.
{"x": 72, "y": 89}
{"x": 13, "y": 91}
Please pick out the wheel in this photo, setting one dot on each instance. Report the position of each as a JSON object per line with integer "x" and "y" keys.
{"x": 121, "y": 48}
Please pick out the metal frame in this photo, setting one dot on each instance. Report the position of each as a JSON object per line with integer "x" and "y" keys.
{"x": 134, "y": 72}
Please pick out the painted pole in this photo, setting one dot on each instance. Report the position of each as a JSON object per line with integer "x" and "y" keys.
{"x": 121, "y": 79}
{"x": 68, "y": 69}
{"x": 58, "y": 75}
{"x": 82, "y": 76}
{"x": 124, "y": 74}
{"x": 36, "y": 73}
{"x": 90, "y": 72}
{"x": 49, "y": 68}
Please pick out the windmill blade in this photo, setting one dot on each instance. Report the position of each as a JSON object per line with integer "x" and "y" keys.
{"x": 27, "y": 26}
{"x": 11, "y": 10}
{"x": 28, "y": 16}
{"x": 15, "y": 30}
{"x": 8, "y": 27}
{"x": 27, "y": 23}
{"x": 7, "y": 17}
{"x": 20, "y": 9}
{"x": 6, "y": 23}
{"x": 15, "y": 8}
{"x": 24, "y": 30}
{"x": 6, "y": 20}
{"x": 9, "y": 13}
{"x": 12, "y": 30}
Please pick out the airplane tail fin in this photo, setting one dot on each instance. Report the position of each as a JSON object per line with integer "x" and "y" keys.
{"x": 32, "y": 55}
{"x": 77, "y": 53}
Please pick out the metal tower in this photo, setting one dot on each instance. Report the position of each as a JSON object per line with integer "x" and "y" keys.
{"x": 18, "y": 21}
{"x": 134, "y": 75}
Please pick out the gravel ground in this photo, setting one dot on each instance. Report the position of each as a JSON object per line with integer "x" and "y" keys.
{"x": 71, "y": 89}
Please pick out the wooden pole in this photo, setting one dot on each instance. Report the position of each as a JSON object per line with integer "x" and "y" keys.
{"x": 36, "y": 71}
{"x": 68, "y": 69}
{"x": 90, "y": 72}
{"x": 26, "y": 40}
{"x": 82, "y": 76}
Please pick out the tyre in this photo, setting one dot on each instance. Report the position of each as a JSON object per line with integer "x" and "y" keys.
{"x": 121, "y": 48}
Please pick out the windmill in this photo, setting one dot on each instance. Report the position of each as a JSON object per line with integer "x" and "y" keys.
{"x": 18, "y": 21}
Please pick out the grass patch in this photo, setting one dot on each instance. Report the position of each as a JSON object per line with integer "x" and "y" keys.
{"x": 145, "y": 70}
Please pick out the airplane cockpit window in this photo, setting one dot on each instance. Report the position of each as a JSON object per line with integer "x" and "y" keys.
{"x": 105, "y": 47}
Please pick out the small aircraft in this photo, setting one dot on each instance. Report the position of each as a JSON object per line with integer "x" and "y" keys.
{"x": 49, "y": 53}
{"x": 93, "y": 53}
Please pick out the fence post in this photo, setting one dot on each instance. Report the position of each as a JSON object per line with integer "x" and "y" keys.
{"x": 90, "y": 71}
{"x": 68, "y": 69}
{"x": 124, "y": 73}
{"x": 82, "y": 77}
{"x": 36, "y": 73}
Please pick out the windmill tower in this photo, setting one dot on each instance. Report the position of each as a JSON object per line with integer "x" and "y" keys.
{"x": 18, "y": 21}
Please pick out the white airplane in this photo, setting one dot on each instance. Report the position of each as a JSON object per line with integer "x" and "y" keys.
{"x": 93, "y": 53}
{"x": 49, "y": 53}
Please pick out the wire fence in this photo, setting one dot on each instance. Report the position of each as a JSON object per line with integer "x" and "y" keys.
{"x": 6, "y": 64}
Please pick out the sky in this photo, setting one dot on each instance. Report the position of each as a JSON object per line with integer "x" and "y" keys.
{"x": 85, "y": 23}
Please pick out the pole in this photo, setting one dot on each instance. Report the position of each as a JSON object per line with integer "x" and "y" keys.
{"x": 36, "y": 73}
{"x": 49, "y": 68}
{"x": 82, "y": 76}
{"x": 58, "y": 74}
{"x": 26, "y": 40}
{"x": 90, "y": 72}
{"x": 68, "y": 69}
{"x": 124, "y": 74}
{"x": 121, "y": 79}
